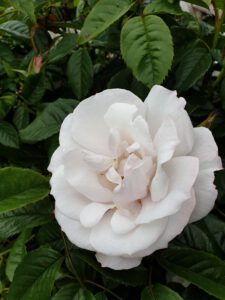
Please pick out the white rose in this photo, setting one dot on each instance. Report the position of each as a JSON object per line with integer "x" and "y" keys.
{"x": 128, "y": 176}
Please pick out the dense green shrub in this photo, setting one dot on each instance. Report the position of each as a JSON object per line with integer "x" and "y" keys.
{"x": 53, "y": 54}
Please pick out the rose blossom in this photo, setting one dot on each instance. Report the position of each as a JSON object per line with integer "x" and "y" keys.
{"x": 128, "y": 176}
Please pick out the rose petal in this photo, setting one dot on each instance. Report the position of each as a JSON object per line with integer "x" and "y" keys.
{"x": 68, "y": 200}
{"x": 159, "y": 185}
{"x": 118, "y": 262}
{"x": 162, "y": 103}
{"x": 83, "y": 179}
{"x": 120, "y": 117}
{"x": 98, "y": 163}
{"x": 206, "y": 150}
{"x": 121, "y": 224}
{"x": 65, "y": 135}
{"x": 182, "y": 173}
{"x": 56, "y": 160}
{"x": 88, "y": 128}
{"x": 134, "y": 186}
{"x": 165, "y": 141}
{"x": 104, "y": 240}
{"x": 75, "y": 232}
{"x": 92, "y": 213}
{"x": 176, "y": 224}
{"x": 141, "y": 135}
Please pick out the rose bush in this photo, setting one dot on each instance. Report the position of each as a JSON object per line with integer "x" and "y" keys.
{"x": 129, "y": 175}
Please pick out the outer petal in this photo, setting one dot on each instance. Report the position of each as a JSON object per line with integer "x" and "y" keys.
{"x": 176, "y": 224}
{"x": 182, "y": 172}
{"x": 104, "y": 240}
{"x": 162, "y": 103}
{"x": 89, "y": 129}
{"x": 84, "y": 179}
{"x": 65, "y": 135}
{"x": 206, "y": 150}
{"x": 75, "y": 232}
{"x": 56, "y": 160}
{"x": 118, "y": 262}
{"x": 68, "y": 200}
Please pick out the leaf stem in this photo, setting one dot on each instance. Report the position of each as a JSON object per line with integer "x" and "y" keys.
{"x": 218, "y": 23}
{"x": 104, "y": 289}
{"x": 5, "y": 252}
{"x": 70, "y": 261}
{"x": 220, "y": 77}
{"x": 220, "y": 212}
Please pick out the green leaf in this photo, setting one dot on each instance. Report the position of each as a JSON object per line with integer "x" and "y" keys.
{"x": 125, "y": 80}
{"x": 100, "y": 296}
{"x": 29, "y": 216}
{"x": 207, "y": 235}
{"x": 34, "y": 88}
{"x": 134, "y": 277}
{"x": 6, "y": 103}
{"x": 84, "y": 295}
{"x": 49, "y": 234}
{"x": 35, "y": 276}
{"x": 49, "y": 121}
{"x": 16, "y": 29}
{"x": 103, "y": 14}
{"x": 159, "y": 292}
{"x": 192, "y": 67}
{"x": 6, "y": 53}
{"x": 17, "y": 253}
{"x": 8, "y": 135}
{"x": 21, "y": 117}
{"x": 27, "y": 7}
{"x": 67, "y": 292}
{"x": 80, "y": 73}
{"x": 62, "y": 48}
{"x": 20, "y": 187}
{"x": 146, "y": 46}
{"x": 163, "y": 6}
{"x": 200, "y": 268}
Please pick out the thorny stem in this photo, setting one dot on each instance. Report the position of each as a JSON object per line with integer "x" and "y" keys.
{"x": 70, "y": 261}
{"x": 104, "y": 288}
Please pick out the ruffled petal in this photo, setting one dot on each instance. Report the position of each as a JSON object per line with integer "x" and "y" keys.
{"x": 88, "y": 128}
{"x": 118, "y": 262}
{"x": 84, "y": 179}
{"x": 134, "y": 186}
{"x": 159, "y": 185}
{"x": 56, "y": 160}
{"x": 66, "y": 140}
{"x": 206, "y": 150}
{"x": 176, "y": 224}
{"x": 75, "y": 232}
{"x": 120, "y": 117}
{"x": 165, "y": 141}
{"x": 104, "y": 240}
{"x": 121, "y": 224}
{"x": 92, "y": 213}
{"x": 162, "y": 103}
{"x": 182, "y": 173}
{"x": 68, "y": 200}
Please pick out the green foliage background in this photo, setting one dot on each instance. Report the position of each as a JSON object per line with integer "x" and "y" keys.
{"x": 53, "y": 54}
